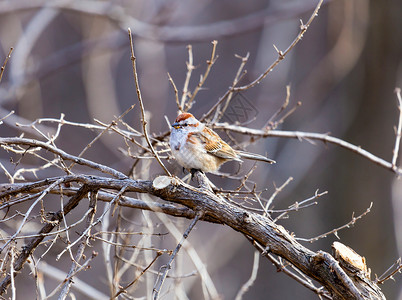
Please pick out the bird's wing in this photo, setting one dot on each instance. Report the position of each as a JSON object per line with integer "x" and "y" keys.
{"x": 213, "y": 144}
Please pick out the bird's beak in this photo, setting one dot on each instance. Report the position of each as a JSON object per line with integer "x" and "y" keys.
{"x": 176, "y": 125}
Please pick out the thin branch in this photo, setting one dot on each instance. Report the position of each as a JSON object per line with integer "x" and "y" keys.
{"x": 299, "y": 205}
{"x": 106, "y": 129}
{"x": 274, "y": 194}
{"x": 28, "y": 212}
{"x": 397, "y": 266}
{"x": 281, "y": 268}
{"x": 190, "y": 68}
{"x": 168, "y": 266}
{"x": 285, "y": 104}
{"x": 88, "y": 229}
{"x": 80, "y": 251}
{"x": 81, "y": 161}
{"x": 6, "y": 116}
{"x": 124, "y": 289}
{"x": 3, "y": 67}
{"x": 324, "y": 137}
{"x": 131, "y": 246}
{"x": 169, "y": 209}
{"x": 239, "y": 75}
{"x": 335, "y": 230}
{"x": 176, "y": 92}
{"x": 28, "y": 249}
{"x": 12, "y": 274}
{"x": 203, "y": 78}
{"x": 399, "y": 130}
{"x": 246, "y": 286}
{"x": 70, "y": 276}
{"x": 281, "y": 55}
{"x": 144, "y": 122}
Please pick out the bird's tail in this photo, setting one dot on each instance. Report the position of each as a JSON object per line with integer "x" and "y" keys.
{"x": 253, "y": 156}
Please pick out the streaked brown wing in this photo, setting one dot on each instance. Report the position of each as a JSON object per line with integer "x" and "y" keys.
{"x": 210, "y": 140}
{"x": 215, "y": 145}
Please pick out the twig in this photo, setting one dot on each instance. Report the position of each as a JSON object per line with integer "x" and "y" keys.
{"x": 281, "y": 55}
{"x": 278, "y": 112}
{"x": 335, "y": 230}
{"x": 190, "y": 68}
{"x": 6, "y": 116}
{"x": 312, "y": 136}
{"x": 168, "y": 266}
{"x": 239, "y": 74}
{"x": 88, "y": 229}
{"x": 132, "y": 246}
{"x": 12, "y": 273}
{"x": 274, "y": 194}
{"x": 68, "y": 278}
{"x": 83, "y": 125}
{"x": 57, "y": 232}
{"x": 210, "y": 63}
{"x": 28, "y": 249}
{"x": 398, "y": 131}
{"x": 384, "y": 277}
{"x": 62, "y": 154}
{"x": 271, "y": 124}
{"x": 246, "y": 286}
{"x": 80, "y": 251}
{"x": 203, "y": 181}
{"x": 113, "y": 123}
{"x": 28, "y": 212}
{"x": 299, "y": 205}
{"x": 144, "y": 122}
{"x": 281, "y": 268}
{"x": 176, "y": 92}
{"x": 3, "y": 67}
{"x": 86, "y": 290}
{"x": 124, "y": 289}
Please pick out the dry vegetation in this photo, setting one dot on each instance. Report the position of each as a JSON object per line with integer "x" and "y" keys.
{"x": 58, "y": 226}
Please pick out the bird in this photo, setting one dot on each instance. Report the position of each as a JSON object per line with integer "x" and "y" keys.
{"x": 197, "y": 147}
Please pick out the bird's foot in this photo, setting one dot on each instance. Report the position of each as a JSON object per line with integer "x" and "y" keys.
{"x": 193, "y": 171}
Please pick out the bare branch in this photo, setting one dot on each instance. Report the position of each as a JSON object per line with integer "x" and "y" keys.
{"x": 176, "y": 93}
{"x": 282, "y": 55}
{"x": 246, "y": 286}
{"x": 312, "y": 136}
{"x": 190, "y": 68}
{"x": 144, "y": 122}
{"x": 124, "y": 289}
{"x": 80, "y": 251}
{"x": 204, "y": 77}
{"x": 28, "y": 249}
{"x": 335, "y": 230}
{"x": 159, "y": 282}
{"x": 81, "y": 161}
{"x": 281, "y": 268}
{"x": 3, "y": 67}
{"x": 399, "y": 129}
{"x": 389, "y": 273}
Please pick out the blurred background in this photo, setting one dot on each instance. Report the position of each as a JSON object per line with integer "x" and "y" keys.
{"x": 73, "y": 58}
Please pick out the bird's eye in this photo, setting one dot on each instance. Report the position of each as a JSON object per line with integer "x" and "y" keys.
{"x": 185, "y": 124}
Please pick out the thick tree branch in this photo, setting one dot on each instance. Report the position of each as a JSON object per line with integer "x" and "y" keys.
{"x": 275, "y": 238}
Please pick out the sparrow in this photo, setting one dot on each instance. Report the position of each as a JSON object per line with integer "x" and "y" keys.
{"x": 195, "y": 146}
